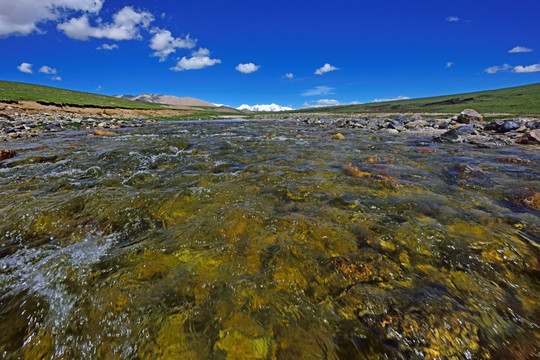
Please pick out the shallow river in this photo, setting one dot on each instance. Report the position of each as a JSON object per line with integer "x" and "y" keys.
{"x": 267, "y": 240}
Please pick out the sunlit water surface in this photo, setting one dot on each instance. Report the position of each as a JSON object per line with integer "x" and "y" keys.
{"x": 249, "y": 240}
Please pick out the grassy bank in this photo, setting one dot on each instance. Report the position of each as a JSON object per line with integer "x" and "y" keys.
{"x": 520, "y": 100}
{"x": 21, "y": 91}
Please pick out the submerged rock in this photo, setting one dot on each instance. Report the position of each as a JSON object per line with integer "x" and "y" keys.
{"x": 103, "y": 133}
{"x": 514, "y": 160}
{"x": 531, "y": 201}
{"x": 35, "y": 160}
{"x": 7, "y": 154}
{"x": 471, "y": 172}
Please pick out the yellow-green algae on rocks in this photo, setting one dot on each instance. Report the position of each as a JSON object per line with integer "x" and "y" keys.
{"x": 267, "y": 240}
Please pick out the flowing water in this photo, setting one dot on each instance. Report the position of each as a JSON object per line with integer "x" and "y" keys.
{"x": 267, "y": 240}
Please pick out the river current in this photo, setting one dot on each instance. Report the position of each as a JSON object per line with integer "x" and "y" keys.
{"x": 267, "y": 240}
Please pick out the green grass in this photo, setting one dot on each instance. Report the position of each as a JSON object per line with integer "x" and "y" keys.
{"x": 520, "y": 100}
{"x": 20, "y": 91}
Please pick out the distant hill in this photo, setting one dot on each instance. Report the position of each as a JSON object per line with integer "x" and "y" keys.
{"x": 53, "y": 99}
{"x": 166, "y": 100}
{"x": 10, "y": 90}
{"x": 519, "y": 100}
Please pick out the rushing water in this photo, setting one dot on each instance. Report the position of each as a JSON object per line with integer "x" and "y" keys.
{"x": 251, "y": 240}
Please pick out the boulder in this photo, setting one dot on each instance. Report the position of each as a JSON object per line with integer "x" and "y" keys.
{"x": 468, "y": 116}
{"x": 530, "y": 138}
{"x": 465, "y": 129}
{"x": 451, "y": 136}
{"x": 338, "y": 136}
{"x": 395, "y": 124}
{"x": 502, "y": 126}
{"x": 416, "y": 124}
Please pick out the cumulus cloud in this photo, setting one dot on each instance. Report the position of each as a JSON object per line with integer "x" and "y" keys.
{"x": 264, "y": 107}
{"x": 452, "y": 19}
{"x": 289, "y": 75}
{"x": 449, "y": 64}
{"x": 107, "y": 47}
{"x": 126, "y": 25}
{"x": 318, "y": 90}
{"x": 164, "y": 44}
{"x": 394, "y": 99}
{"x": 199, "y": 60}
{"x": 47, "y": 70}
{"x": 22, "y": 17}
{"x": 25, "y": 68}
{"x": 496, "y": 69}
{"x": 527, "y": 69}
{"x": 56, "y": 78}
{"x": 325, "y": 68}
{"x": 247, "y": 68}
{"x": 519, "y": 49}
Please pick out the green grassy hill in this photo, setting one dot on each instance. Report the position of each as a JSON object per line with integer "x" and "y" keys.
{"x": 20, "y": 91}
{"x": 520, "y": 100}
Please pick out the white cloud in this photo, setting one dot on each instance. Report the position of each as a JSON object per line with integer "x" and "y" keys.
{"x": 318, "y": 90}
{"x": 247, "y": 68}
{"x": 125, "y": 26}
{"x": 449, "y": 64}
{"x": 25, "y": 68}
{"x": 452, "y": 19}
{"x": 289, "y": 75}
{"x": 56, "y": 78}
{"x": 519, "y": 49}
{"x": 271, "y": 107}
{"x": 199, "y": 60}
{"x": 99, "y": 88}
{"x": 496, "y": 69}
{"x": 325, "y": 68}
{"x": 22, "y": 17}
{"x": 47, "y": 70}
{"x": 164, "y": 44}
{"x": 107, "y": 47}
{"x": 394, "y": 99}
{"x": 527, "y": 69}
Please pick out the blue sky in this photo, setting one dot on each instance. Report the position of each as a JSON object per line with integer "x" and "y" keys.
{"x": 240, "y": 52}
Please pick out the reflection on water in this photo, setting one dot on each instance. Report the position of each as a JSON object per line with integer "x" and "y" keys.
{"x": 263, "y": 240}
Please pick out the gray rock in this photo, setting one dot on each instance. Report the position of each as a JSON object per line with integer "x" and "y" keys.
{"x": 465, "y": 130}
{"x": 502, "y": 126}
{"x": 451, "y": 136}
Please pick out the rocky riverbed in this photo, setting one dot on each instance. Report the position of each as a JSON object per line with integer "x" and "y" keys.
{"x": 467, "y": 127}
{"x": 21, "y": 125}
{"x": 267, "y": 240}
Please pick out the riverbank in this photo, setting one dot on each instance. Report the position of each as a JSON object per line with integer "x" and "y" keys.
{"x": 26, "y": 119}
{"x": 467, "y": 127}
